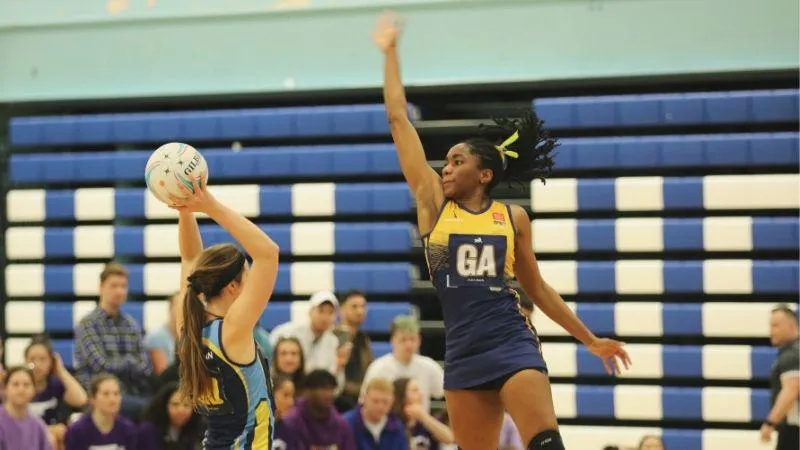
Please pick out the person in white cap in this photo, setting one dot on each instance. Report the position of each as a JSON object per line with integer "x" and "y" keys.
{"x": 321, "y": 348}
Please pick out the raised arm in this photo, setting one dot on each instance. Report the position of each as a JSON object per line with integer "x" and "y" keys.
{"x": 190, "y": 244}
{"x": 551, "y": 303}
{"x": 257, "y": 289}
{"x": 425, "y": 183}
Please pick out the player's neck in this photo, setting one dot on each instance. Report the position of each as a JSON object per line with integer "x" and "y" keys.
{"x": 103, "y": 422}
{"x": 475, "y": 202}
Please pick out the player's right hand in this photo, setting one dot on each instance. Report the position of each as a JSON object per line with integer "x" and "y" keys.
{"x": 387, "y": 30}
{"x": 196, "y": 200}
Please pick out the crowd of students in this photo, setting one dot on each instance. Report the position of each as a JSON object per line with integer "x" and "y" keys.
{"x": 328, "y": 387}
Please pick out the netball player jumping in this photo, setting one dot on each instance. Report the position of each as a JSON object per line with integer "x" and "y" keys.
{"x": 221, "y": 371}
{"x": 474, "y": 246}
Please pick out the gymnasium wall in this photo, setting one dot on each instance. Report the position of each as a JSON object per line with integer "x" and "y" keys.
{"x": 134, "y": 48}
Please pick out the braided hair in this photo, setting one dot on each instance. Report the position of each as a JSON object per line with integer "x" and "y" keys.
{"x": 522, "y": 156}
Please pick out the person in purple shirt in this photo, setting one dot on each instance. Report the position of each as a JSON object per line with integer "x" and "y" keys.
{"x": 103, "y": 426}
{"x": 19, "y": 429}
{"x": 509, "y": 435}
{"x": 55, "y": 387}
{"x": 314, "y": 421}
{"x": 373, "y": 425}
{"x": 425, "y": 432}
{"x": 283, "y": 393}
{"x": 169, "y": 423}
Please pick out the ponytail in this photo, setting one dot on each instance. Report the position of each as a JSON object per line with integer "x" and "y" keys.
{"x": 215, "y": 268}
{"x": 195, "y": 379}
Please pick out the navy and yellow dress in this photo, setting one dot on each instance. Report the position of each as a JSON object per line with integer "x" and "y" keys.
{"x": 239, "y": 410}
{"x": 470, "y": 257}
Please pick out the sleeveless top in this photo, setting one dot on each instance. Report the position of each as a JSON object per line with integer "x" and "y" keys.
{"x": 470, "y": 257}
{"x": 239, "y": 408}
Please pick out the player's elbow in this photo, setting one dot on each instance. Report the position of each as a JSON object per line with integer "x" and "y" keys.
{"x": 397, "y": 114}
{"x": 268, "y": 250}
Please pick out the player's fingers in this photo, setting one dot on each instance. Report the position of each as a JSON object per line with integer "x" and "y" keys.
{"x": 177, "y": 201}
{"x": 605, "y": 364}
{"x": 626, "y": 358}
{"x": 196, "y": 185}
{"x": 614, "y": 366}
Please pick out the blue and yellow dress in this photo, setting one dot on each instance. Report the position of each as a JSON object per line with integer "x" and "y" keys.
{"x": 239, "y": 410}
{"x": 470, "y": 256}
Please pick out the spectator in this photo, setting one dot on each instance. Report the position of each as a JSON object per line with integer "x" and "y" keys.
{"x": 314, "y": 422}
{"x": 373, "y": 425}
{"x": 650, "y": 442}
{"x": 160, "y": 343}
{"x": 509, "y": 434}
{"x": 283, "y": 392}
{"x": 424, "y": 431}
{"x": 353, "y": 311}
{"x": 784, "y": 415}
{"x": 110, "y": 341}
{"x": 55, "y": 388}
{"x": 405, "y": 361}
{"x": 289, "y": 361}
{"x": 19, "y": 429}
{"x": 169, "y": 423}
{"x": 320, "y": 345}
{"x": 103, "y": 425}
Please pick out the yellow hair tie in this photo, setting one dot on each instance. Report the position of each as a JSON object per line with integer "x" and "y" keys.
{"x": 503, "y": 148}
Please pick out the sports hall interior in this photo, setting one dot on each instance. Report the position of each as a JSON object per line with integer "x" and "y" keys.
{"x": 670, "y": 220}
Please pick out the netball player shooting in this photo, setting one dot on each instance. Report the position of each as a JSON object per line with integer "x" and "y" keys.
{"x": 221, "y": 372}
{"x": 474, "y": 247}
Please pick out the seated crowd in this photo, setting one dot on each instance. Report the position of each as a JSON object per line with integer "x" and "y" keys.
{"x": 328, "y": 388}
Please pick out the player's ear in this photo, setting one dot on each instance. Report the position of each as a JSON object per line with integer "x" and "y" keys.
{"x": 485, "y": 176}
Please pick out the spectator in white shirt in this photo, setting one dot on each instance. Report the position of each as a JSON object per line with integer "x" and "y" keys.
{"x": 405, "y": 362}
{"x": 321, "y": 348}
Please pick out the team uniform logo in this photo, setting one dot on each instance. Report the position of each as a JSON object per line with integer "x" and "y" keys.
{"x": 476, "y": 260}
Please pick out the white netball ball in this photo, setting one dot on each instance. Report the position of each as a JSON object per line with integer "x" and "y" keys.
{"x": 172, "y": 165}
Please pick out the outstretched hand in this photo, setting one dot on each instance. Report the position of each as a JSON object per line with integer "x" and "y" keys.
{"x": 198, "y": 199}
{"x": 609, "y": 351}
{"x": 387, "y": 30}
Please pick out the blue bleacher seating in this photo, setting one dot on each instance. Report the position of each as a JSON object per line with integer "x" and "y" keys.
{"x": 711, "y": 404}
{"x": 696, "y": 151}
{"x": 37, "y": 205}
{"x": 641, "y": 318}
{"x": 223, "y": 164}
{"x": 214, "y": 125}
{"x": 655, "y": 234}
{"x": 25, "y": 280}
{"x": 318, "y": 238}
{"x": 630, "y": 236}
{"x": 636, "y": 194}
{"x": 670, "y": 109}
{"x": 711, "y": 362}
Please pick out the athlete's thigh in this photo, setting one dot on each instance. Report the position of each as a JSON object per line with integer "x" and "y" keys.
{"x": 527, "y": 397}
{"x": 476, "y": 418}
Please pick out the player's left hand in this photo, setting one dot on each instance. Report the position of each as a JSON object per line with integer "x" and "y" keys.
{"x": 609, "y": 351}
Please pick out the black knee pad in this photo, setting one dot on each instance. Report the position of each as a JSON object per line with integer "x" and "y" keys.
{"x": 547, "y": 440}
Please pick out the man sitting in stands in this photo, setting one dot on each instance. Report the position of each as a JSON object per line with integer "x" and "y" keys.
{"x": 110, "y": 341}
